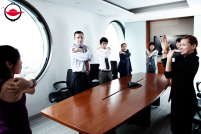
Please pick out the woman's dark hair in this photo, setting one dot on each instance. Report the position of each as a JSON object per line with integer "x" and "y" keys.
{"x": 123, "y": 44}
{"x": 192, "y": 40}
{"x": 7, "y": 53}
{"x": 178, "y": 40}
{"x": 103, "y": 39}
{"x": 152, "y": 43}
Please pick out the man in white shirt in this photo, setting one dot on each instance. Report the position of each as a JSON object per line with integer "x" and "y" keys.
{"x": 80, "y": 56}
{"x": 105, "y": 73}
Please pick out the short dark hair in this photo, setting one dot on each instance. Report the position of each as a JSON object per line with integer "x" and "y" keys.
{"x": 103, "y": 39}
{"x": 78, "y": 32}
{"x": 152, "y": 43}
{"x": 7, "y": 53}
{"x": 178, "y": 40}
{"x": 123, "y": 44}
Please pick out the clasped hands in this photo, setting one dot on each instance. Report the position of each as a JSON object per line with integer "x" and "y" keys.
{"x": 18, "y": 85}
{"x": 76, "y": 49}
{"x": 121, "y": 52}
{"x": 166, "y": 47}
{"x": 100, "y": 48}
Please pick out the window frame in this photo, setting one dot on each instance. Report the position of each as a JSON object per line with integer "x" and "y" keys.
{"x": 49, "y": 36}
{"x": 120, "y": 25}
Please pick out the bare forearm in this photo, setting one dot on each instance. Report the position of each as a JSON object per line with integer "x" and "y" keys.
{"x": 169, "y": 65}
{"x": 164, "y": 55}
{"x": 29, "y": 90}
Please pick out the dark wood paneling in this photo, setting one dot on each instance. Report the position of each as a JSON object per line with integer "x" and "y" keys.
{"x": 161, "y": 69}
{"x": 87, "y": 112}
{"x": 147, "y": 34}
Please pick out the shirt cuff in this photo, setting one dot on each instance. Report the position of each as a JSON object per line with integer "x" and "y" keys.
{"x": 168, "y": 75}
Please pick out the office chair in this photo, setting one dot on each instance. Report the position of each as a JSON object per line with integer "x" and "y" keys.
{"x": 62, "y": 93}
{"x": 114, "y": 69}
{"x": 94, "y": 72}
{"x": 197, "y": 116}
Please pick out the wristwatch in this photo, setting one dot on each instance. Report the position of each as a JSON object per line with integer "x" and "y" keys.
{"x": 164, "y": 52}
{"x": 34, "y": 83}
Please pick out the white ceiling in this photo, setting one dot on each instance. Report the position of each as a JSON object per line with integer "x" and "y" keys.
{"x": 106, "y": 9}
{"x": 94, "y": 6}
{"x": 130, "y": 4}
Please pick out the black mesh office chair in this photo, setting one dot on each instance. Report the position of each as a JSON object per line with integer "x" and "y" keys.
{"x": 114, "y": 69}
{"x": 197, "y": 116}
{"x": 94, "y": 72}
{"x": 64, "y": 92}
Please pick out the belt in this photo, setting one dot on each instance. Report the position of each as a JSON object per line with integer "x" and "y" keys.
{"x": 87, "y": 73}
{"x": 105, "y": 70}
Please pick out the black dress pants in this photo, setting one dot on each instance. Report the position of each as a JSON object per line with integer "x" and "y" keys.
{"x": 181, "y": 117}
{"x": 81, "y": 82}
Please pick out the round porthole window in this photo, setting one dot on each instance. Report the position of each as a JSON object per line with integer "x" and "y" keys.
{"x": 115, "y": 35}
{"x": 25, "y": 29}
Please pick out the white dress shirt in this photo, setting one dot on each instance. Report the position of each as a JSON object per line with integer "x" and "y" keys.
{"x": 102, "y": 54}
{"x": 78, "y": 60}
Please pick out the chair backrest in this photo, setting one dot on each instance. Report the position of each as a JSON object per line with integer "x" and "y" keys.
{"x": 197, "y": 85}
{"x": 94, "y": 71}
{"x": 114, "y": 68}
{"x": 69, "y": 78}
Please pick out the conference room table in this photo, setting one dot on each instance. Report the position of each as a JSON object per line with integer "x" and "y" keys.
{"x": 104, "y": 108}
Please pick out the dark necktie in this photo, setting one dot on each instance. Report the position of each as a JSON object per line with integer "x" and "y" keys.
{"x": 107, "y": 63}
{"x": 86, "y": 62}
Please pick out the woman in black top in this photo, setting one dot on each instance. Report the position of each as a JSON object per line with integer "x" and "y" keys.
{"x": 182, "y": 71}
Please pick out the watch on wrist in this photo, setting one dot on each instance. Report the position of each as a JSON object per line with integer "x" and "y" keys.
{"x": 164, "y": 52}
{"x": 34, "y": 83}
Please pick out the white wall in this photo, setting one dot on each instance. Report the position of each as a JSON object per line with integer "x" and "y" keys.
{"x": 135, "y": 37}
{"x": 197, "y": 34}
{"x": 63, "y": 21}
{"x": 171, "y": 27}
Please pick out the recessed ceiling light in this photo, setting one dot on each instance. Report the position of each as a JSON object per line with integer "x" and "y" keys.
{"x": 99, "y": 10}
{"x": 77, "y": 3}
{"x": 164, "y": 14}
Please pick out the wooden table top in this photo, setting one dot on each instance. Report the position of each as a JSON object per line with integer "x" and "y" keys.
{"x": 88, "y": 112}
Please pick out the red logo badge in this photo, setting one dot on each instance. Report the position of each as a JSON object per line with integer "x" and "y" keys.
{"x": 12, "y": 12}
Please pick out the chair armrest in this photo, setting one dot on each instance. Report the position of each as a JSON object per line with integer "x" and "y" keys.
{"x": 56, "y": 83}
{"x": 197, "y": 85}
{"x": 199, "y": 95}
{"x": 69, "y": 93}
{"x": 198, "y": 112}
{"x": 63, "y": 88}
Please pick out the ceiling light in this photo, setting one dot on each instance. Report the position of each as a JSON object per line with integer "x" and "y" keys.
{"x": 77, "y": 3}
{"x": 99, "y": 10}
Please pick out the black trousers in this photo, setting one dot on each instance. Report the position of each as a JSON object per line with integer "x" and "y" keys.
{"x": 81, "y": 82}
{"x": 182, "y": 117}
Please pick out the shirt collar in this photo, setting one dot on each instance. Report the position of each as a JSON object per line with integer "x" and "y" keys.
{"x": 77, "y": 45}
{"x": 190, "y": 55}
